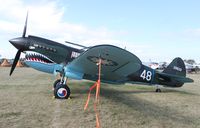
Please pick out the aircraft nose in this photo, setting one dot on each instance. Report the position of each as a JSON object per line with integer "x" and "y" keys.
{"x": 19, "y": 43}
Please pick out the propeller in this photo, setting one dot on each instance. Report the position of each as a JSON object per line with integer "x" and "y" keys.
{"x": 17, "y": 56}
{"x": 18, "y": 43}
{"x": 25, "y": 26}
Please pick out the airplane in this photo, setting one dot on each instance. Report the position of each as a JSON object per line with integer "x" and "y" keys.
{"x": 192, "y": 68}
{"x": 104, "y": 63}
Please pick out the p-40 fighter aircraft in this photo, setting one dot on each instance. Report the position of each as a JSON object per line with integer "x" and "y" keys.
{"x": 117, "y": 65}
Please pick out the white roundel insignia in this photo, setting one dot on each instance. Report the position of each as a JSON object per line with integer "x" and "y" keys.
{"x": 62, "y": 92}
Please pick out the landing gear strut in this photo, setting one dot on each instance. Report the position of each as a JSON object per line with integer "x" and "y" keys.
{"x": 61, "y": 90}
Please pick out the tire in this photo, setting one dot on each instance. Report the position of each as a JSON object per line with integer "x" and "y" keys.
{"x": 158, "y": 90}
{"x": 61, "y": 91}
{"x": 56, "y": 83}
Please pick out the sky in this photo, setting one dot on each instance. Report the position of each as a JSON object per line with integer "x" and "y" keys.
{"x": 153, "y": 30}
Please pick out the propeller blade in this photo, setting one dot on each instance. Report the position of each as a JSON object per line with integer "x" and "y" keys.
{"x": 15, "y": 61}
{"x": 25, "y": 26}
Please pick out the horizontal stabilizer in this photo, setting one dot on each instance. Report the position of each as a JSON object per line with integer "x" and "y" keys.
{"x": 177, "y": 78}
{"x": 174, "y": 75}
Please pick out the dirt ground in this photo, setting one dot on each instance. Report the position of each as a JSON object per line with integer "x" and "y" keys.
{"x": 26, "y": 102}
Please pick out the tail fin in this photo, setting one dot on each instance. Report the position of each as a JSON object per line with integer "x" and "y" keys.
{"x": 176, "y": 67}
{"x": 174, "y": 75}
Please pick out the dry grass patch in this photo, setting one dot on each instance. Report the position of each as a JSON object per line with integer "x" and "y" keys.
{"x": 26, "y": 101}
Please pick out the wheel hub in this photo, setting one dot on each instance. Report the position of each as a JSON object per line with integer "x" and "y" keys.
{"x": 62, "y": 92}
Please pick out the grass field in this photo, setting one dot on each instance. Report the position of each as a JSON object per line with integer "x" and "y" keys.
{"x": 26, "y": 102}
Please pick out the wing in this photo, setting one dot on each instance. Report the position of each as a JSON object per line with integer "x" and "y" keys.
{"x": 117, "y": 63}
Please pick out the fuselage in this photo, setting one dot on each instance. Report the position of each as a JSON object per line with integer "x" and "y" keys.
{"x": 57, "y": 52}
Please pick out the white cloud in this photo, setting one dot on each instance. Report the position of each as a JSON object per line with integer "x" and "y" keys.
{"x": 195, "y": 33}
{"x": 8, "y": 26}
{"x": 46, "y": 20}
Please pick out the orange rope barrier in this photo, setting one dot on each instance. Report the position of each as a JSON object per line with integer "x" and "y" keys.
{"x": 88, "y": 99}
{"x": 97, "y": 85}
{"x": 97, "y": 116}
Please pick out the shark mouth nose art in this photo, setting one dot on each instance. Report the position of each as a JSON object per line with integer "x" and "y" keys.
{"x": 36, "y": 57}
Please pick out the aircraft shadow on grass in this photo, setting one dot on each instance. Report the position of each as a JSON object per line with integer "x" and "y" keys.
{"x": 147, "y": 108}
{"x": 83, "y": 88}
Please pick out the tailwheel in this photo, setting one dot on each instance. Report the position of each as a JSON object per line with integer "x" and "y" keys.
{"x": 158, "y": 90}
{"x": 61, "y": 91}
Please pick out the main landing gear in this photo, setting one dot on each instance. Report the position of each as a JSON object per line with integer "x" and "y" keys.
{"x": 61, "y": 90}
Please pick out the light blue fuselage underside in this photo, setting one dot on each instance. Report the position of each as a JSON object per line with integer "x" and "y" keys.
{"x": 53, "y": 68}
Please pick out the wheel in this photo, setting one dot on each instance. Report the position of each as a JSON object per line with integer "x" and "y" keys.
{"x": 61, "y": 91}
{"x": 158, "y": 90}
{"x": 56, "y": 83}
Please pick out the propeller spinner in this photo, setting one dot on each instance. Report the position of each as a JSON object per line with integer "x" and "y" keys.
{"x": 19, "y": 43}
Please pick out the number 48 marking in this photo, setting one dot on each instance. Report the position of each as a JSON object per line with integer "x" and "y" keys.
{"x": 146, "y": 75}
